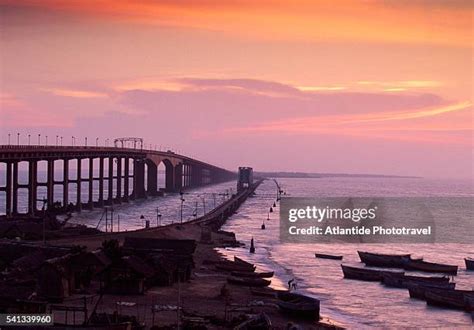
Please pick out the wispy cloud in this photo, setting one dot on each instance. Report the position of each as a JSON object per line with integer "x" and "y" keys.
{"x": 75, "y": 93}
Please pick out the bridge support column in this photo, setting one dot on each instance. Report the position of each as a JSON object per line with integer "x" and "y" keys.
{"x": 152, "y": 177}
{"x": 15, "y": 188}
{"x": 66, "y": 184}
{"x": 178, "y": 177}
{"x": 32, "y": 184}
{"x": 170, "y": 178}
{"x": 9, "y": 188}
{"x": 91, "y": 183}
{"x": 126, "y": 179}
{"x": 101, "y": 181}
{"x": 110, "y": 200}
{"x": 119, "y": 180}
{"x": 50, "y": 184}
{"x": 138, "y": 178}
{"x": 79, "y": 185}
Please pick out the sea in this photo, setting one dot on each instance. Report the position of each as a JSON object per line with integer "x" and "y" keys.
{"x": 354, "y": 304}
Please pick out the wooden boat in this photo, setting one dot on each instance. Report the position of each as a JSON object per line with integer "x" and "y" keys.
{"x": 298, "y": 305}
{"x": 383, "y": 260}
{"x": 252, "y": 274}
{"x": 417, "y": 290}
{"x": 448, "y": 298}
{"x": 240, "y": 261}
{"x": 469, "y": 263}
{"x": 234, "y": 266}
{"x": 364, "y": 274}
{"x": 401, "y": 281}
{"x": 263, "y": 292}
{"x": 247, "y": 281}
{"x": 327, "y": 256}
{"x": 431, "y": 267}
{"x": 260, "y": 321}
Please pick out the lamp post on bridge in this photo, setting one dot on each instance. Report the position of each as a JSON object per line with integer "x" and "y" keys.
{"x": 39, "y": 139}
{"x": 57, "y": 140}
{"x": 97, "y": 142}
{"x": 61, "y": 141}
{"x": 29, "y": 139}
{"x": 85, "y": 141}
{"x": 73, "y": 140}
{"x": 17, "y": 139}
{"x": 8, "y": 138}
{"x": 46, "y": 140}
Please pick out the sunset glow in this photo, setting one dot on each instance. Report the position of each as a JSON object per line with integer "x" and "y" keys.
{"x": 271, "y": 77}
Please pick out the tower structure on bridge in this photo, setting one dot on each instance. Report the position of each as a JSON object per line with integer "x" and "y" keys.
{"x": 245, "y": 178}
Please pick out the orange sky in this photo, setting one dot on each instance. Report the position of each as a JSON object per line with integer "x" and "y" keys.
{"x": 302, "y": 72}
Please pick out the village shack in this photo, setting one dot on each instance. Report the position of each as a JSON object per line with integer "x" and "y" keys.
{"x": 171, "y": 258}
{"x": 55, "y": 279}
{"x": 127, "y": 275}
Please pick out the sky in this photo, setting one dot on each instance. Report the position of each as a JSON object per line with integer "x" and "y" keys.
{"x": 380, "y": 87}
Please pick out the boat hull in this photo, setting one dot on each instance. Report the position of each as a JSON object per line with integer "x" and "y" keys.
{"x": 383, "y": 260}
{"x": 298, "y": 305}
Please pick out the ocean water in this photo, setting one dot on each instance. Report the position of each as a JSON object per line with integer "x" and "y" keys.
{"x": 356, "y": 304}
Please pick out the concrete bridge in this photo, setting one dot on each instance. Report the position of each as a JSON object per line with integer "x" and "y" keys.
{"x": 119, "y": 174}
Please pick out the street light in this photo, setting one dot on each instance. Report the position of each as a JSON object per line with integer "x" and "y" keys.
{"x": 57, "y": 140}
{"x": 61, "y": 141}
{"x": 158, "y": 217}
{"x": 18, "y": 139}
{"x": 96, "y": 142}
{"x": 85, "y": 139}
{"x": 29, "y": 139}
{"x": 73, "y": 141}
{"x": 8, "y": 138}
{"x": 39, "y": 139}
{"x": 181, "y": 193}
{"x": 46, "y": 140}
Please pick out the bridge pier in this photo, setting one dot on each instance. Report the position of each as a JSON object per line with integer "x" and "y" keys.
{"x": 110, "y": 178}
{"x": 79, "y": 185}
{"x": 126, "y": 179}
{"x": 119, "y": 180}
{"x": 178, "y": 177}
{"x": 65, "y": 183}
{"x": 139, "y": 179}
{"x": 101, "y": 181}
{"x": 91, "y": 184}
{"x": 152, "y": 177}
{"x": 32, "y": 186}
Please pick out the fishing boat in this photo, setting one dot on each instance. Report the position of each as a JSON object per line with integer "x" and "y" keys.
{"x": 431, "y": 267}
{"x": 263, "y": 292}
{"x": 469, "y": 263}
{"x": 364, "y": 274}
{"x": 255, "y": 282}
{"x": 448, "y": 298}
{"x": 417, "y": 290}
{"x": 402, "y": 280}
{"x": 252, "y": 274}
{"x": 234, "y": 266}
{"x": 383, "y": 260}
{"x": 260, "y": 321}
{"x": 240, "y": 261}
{"x": 327, "y": 256}
{"x": 298, "y": 305}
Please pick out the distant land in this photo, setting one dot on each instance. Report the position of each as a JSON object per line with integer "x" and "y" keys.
{"x": 327, "y": 175}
